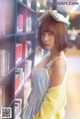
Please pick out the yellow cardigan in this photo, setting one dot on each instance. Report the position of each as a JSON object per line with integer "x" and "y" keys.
{"x": 53, "y": 104}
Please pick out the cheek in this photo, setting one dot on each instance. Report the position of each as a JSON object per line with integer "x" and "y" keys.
{"x": 42, "y": 39}
{"x": 52, "y": 41}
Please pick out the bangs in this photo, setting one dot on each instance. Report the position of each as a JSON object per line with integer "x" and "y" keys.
{"x": 48, "y": 25}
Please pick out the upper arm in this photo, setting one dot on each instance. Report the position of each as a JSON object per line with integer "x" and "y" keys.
{"x": 58, "y": 72}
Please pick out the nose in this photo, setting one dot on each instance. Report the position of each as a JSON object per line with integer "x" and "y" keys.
{"x": 45, "y": 38}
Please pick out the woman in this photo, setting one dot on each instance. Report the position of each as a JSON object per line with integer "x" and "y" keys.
{"x": 48, "y": 96}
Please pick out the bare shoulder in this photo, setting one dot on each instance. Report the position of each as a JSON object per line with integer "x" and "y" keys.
{"x": 60, "y": 63}
{"x": 58, "y": 71}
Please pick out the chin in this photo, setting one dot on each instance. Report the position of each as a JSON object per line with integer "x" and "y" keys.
{"x": 48, "y": 48}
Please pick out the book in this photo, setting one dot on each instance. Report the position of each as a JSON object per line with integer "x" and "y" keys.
{"x": 17, "y": 82}
{"x": 29, "y": 3}
{"x": 2, "y": 97}
{"x": 20, "y": 23}
{"x": 57, "y": 16}
{"x": 27, "y": 90}
{"x": 4, "y": 63}
{"x": 20, "y": 72}
{"x": 17, "y": 107}
{"x": 28, "y": 24}
{"x": 30, "y": 47}
{"x": 28, "y": 68}
{"x": 19, "y": 79}
{"x": 19, "y": 48}
{"x": 26, "y": 48}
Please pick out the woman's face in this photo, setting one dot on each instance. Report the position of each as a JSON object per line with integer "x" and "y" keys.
{"x": 48, "y": 40}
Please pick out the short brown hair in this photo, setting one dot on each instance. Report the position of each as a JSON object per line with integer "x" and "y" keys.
{"x": 49, "y": 24}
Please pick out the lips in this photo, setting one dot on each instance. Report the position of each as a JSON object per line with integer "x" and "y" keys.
{"x": 46, "y": 44}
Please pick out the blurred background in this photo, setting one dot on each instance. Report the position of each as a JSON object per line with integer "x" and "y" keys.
{"x": 71, "y": 10}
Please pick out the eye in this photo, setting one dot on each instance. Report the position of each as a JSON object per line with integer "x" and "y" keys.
{"x": 43, "y": 34}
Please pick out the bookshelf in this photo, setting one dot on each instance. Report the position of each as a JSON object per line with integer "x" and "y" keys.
{"x": 17, "y": 50}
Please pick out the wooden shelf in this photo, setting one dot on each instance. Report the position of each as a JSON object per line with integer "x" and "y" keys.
{"x": 30, "y": 9}
{"x": 8, "y": 43}
{"x": 7, "y": 36}
{"x": 25, "y": 33}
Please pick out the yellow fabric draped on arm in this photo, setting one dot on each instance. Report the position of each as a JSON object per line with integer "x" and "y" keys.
{"x": 53, "y": 104}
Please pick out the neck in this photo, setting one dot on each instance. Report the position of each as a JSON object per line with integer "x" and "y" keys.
{"x": 55, "y": 53}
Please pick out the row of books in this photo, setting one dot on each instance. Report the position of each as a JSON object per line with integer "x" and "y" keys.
{"x": 28, "y": 2}
{"x": 5, "y": 57}
{"x": 4, "y": 63}
{"x": 21, "y": 78}
{"x": 20, "y": 23}
{"x": 19, "y": 50}
{"x": 22, "y": 75}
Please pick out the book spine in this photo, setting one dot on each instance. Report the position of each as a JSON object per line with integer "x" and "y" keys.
{"x": 28, "y": 24}
{"x": 2, "y": 96}
{"x": 19, "y": 48}
{"x": 26, "y": 49}
{"x": 20, "y": 23}
{"x": 17, "y": 81}
{"x": 28, "y": 66}
{"x": 4, "y": 62}
{"x": 29, "y": 3}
